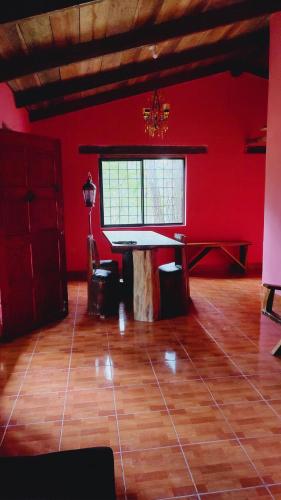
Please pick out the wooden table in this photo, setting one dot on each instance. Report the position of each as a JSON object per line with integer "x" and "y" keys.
{"x": 144, "y": 245}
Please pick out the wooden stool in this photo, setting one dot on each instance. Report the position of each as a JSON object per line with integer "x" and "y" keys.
{"x": 103, "y": 281}
{"x": 172, "y": 300}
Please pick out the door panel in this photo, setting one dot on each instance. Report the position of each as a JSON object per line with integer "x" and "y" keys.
{"x": 14, "y": 211}
{"x": 32, "y": 266}
{"x": 13, "y": 166}
{"x": 43, "y": 212}
{"x": 17, "y": 297}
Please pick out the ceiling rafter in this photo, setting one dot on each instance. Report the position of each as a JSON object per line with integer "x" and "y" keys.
{"x": 194, "y": 23}
{"x": 16, "y": 11}
{"x": 64, "y": 87}
{"x": 130, "y": 90}
{"x": 142, "y": 150}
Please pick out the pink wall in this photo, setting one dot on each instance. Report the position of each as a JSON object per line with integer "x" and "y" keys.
{"x": 10, "y": 116}
{"x": 272, "y": 220}
{"x": 225, "y": 188}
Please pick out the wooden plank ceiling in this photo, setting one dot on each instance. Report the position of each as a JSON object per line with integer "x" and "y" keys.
{"x": 61, "y": 55}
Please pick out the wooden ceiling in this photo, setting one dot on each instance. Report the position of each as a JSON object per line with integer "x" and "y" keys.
{"x": 62, "y": 55}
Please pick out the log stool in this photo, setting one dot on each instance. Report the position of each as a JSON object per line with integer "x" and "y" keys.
{"x": 103, "y": 282}
{"x": 172, "y": 301}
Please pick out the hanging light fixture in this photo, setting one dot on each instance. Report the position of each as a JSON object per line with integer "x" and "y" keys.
{"x": 156, "y": 116}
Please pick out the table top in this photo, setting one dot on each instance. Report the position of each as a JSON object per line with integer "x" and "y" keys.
{"x": 121, "y": 241}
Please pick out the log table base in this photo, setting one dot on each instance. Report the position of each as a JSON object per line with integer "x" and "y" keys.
{"x": 146, "y": 286}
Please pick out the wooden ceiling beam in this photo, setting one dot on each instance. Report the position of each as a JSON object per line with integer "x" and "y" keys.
{"x": 16, "y": 11}
{"x": 127, "y": 91}
{"x": 64, "y": 87}
{"x": 143, "y": 150}
{"x": 193, "y": 23}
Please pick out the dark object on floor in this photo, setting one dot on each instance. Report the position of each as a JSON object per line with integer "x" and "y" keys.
{"x": 171, "y": 284}
{"x": 268, "y": 302}
{"x": 104, "y": 293}
{"x": 86, "y": 474}
{"x": 103, "y": 282}
{"x": 128, "y": 277}
{"x": 276, "y": 351}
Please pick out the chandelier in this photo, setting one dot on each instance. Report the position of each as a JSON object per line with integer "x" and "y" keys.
{"x": 156, "y": 117}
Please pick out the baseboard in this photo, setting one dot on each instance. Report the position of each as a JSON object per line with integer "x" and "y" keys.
{"x": 77, "y": 275}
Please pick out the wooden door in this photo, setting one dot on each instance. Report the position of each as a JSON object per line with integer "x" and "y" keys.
{"x": 32, "y": 254}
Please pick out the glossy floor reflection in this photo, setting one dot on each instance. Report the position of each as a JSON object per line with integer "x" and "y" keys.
{"x": 191, "y": 406}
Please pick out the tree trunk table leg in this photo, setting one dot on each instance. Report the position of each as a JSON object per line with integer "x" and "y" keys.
{"x": 146, "y": 286}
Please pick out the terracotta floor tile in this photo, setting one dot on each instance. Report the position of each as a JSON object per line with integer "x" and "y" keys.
{"x": 87, "y": 342}
{"x": 49, "y": 361}
{"x": 128, "y": 358}
{"x": 44, "y": 381}
{"x": 215, "y": 367}
{"x": 266, "y": 455}
{"x": 199, "y": 424}
{"x": 31, "y": 439}
{"x": 189, "y": 393}
{"x": 86, "y": 433}
{"x": 232, "y": 389}
{"x": 153, "y": 474}
{"x": 245, "y": 494}
{"x": 90, "y": 377}
{"x": 252, "y": 420}
{"x": 139, "y": 398}
{"x": 10, "y": 382}
{"x": 146, "y": 430}
{"x": 11, "y": 362}
{"x": 34, "y": 408}
{"x": 220, "y": 466}
{"x": 172, "y": 352}
{"x": 276, "y": 491}
{"x": 119, "y": 478}
{"x": 269, "y": 385}
{"x": 83, "y": 358}
{"x": 276, "y": 406}
{"x": 252, "y": 364}
{"x": 89, "y": 403}
{"x": 54, "y": 343}
{"x": 140, "y": 373}
{"x": 6, "y": 406}
{"x": 175, "y": 371}
{"x": 109, "y": 351}
{"x": 202, "y": 348}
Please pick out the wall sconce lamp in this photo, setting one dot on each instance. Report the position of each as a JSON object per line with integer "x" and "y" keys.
{"x": 89, "y": 194}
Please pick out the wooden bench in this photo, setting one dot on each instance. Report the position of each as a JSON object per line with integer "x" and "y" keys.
{"x": 207, "y": 246}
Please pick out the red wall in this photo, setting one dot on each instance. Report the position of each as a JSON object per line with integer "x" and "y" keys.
{"x": 225, "y": 188}
{"x": 10, "y": 116}
{"x": 272, "y": 234}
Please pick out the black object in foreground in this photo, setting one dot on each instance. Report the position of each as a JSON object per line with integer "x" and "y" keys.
{"x": 84, "y": 474}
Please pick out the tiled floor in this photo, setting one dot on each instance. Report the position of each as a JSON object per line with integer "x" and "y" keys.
{"x": 191, "y": 406}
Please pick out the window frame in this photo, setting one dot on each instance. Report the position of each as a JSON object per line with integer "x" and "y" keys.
{"x": 141, "y": 159}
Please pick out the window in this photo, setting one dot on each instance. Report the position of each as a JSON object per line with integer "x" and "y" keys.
{"x": 142, "y": 192}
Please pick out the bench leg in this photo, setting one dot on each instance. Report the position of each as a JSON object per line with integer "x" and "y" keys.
{"x": 268, "y": 300}
{"x": 268, "y": 305}
{"x": 243, "y": 254}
